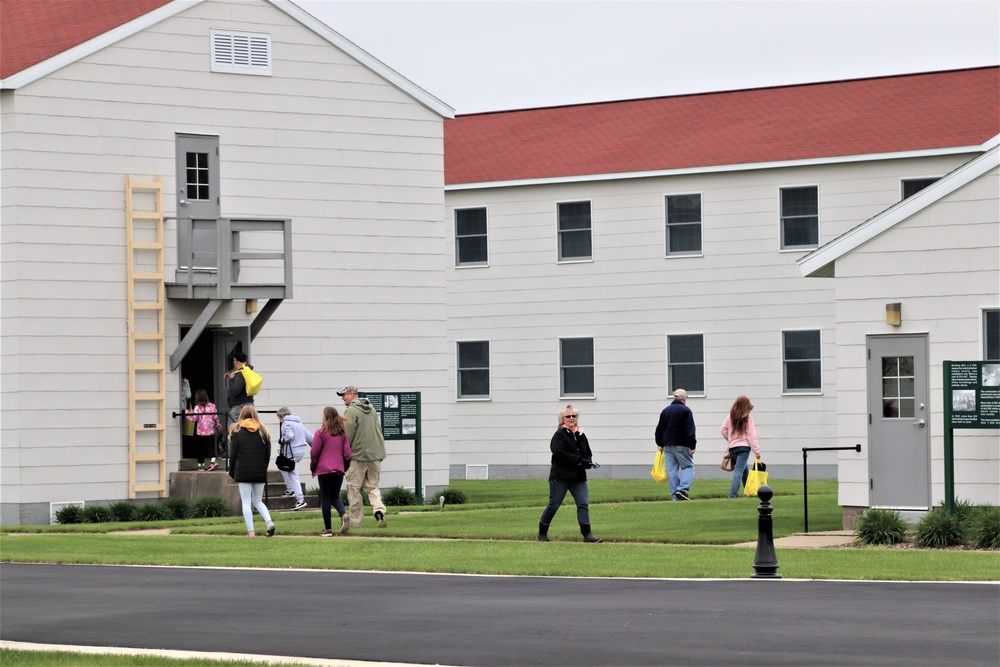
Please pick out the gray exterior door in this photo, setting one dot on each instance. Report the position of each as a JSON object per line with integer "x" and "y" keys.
{"x": 198, "y": 201}
{"x": 226, "y": 343}
{"x": 898, "y": 432}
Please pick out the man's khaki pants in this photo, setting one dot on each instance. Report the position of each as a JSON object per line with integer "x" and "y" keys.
{"x": 363, "y": 474}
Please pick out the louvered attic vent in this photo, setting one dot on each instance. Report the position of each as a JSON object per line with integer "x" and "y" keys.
{"x": 241, "y": 52}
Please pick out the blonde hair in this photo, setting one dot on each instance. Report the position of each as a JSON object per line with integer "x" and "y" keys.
{"x": 248, "y": 412}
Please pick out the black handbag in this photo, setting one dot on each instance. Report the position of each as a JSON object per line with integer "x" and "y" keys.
{"x": 284, "y": 462}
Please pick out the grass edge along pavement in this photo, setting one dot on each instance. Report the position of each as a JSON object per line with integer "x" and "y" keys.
{"x": 502, "y": 543}
{"x": 26, "y": 655}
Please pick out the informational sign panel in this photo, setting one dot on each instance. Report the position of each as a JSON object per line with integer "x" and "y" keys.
{"x": 973, "y": 391}
{"x": 398, "y": 411}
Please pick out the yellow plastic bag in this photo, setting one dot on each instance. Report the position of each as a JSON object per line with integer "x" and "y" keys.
{"x": 755, "y": 479}
{"x": 252, "y": 380}
{"x": 659, "y": 471}
{"x": 187, "y": 427}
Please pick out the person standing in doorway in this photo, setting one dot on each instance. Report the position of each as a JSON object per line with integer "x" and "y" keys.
{"x": 329, "y": 458}
{"x": 571, "y": 458}
{"x": 249, "y": 454}
{"x": 364, "y": 433}
{"x": 675, "y": 436}
{"x": 294, "y": 436}
{"x": 207, "y": 426}
{"x": 739, "y": 431}
{"x": 237, "y": 395}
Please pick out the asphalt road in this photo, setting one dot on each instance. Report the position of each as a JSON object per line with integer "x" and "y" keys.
{"x": 490, "y": 621}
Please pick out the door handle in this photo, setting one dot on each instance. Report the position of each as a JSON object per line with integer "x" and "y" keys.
{"x": 920, "y": 422}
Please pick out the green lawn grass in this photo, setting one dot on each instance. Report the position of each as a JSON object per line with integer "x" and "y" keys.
{"x": 71, "y": 659}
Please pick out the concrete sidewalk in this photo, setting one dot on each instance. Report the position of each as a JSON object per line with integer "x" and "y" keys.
{"x": 829, "y": 538}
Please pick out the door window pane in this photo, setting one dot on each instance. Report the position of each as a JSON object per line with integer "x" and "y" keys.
{"x": 197, "y": 176}
{"x": 898, "y": 398}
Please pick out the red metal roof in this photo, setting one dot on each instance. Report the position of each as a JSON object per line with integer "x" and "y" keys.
{"x": 32, "y": 31}
{"x": 820, "y": 120}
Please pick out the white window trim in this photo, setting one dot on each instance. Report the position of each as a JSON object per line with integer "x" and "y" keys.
{"x": 781, "y": 361}
{"x": 704, "y": 365}
{"x": 819, "y": 218}
{"x": 559, "y": 366}
{"x": 574, "y": 260}
{"x": 254, "y": 41}
{"x": 454, "y": 235}
{"x": 458, "y": 369}
{"x": 666, "y": 240}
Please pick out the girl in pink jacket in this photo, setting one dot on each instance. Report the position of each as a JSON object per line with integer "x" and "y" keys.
{"x": 329, "y": 459}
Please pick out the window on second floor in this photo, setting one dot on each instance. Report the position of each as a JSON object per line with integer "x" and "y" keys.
{"x": 576, "y": 367}
{"x": 474, "y": 369}
{"x": 471, "y": 246}
{"x": 801, "y": 354}
{"x": 686, "y": 363}
{"x": 912, "y": 186}
{"x": 683, "y": 224}
{"x": 991, "y": 334}
{"x": 800, "y": 217}
{"x": 575, "y": 240}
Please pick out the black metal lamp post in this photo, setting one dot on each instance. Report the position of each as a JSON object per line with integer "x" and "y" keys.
{"x": 765, "y": 563}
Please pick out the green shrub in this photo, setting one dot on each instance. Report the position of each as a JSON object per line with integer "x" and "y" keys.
{"x": 939, "y": 529}
{"x": 97, "y": 514}
{"x": 451, "y": 497}
{"x": 179, "y": 508}
{"x": 312, "y": 491}
{"x": 880, "y": 526}
{"x": 984, "y": 529}
{"x": 69, "y": 514}
{"x": 364, "y": 498}
{"x": 123, "y": 510}
{"x": 152, "y": 512}
{"x": 398, "y": 496}
{"x": 208, "y": 507}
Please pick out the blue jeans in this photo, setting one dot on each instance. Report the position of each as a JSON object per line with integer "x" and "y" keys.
{"x": 680, "y": 468}
{"x": 739, "y": 466}
{"x": 253, "y": 493}
{"x": 557, "y": 491}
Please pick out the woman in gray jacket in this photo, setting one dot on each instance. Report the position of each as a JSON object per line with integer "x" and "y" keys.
{"x": 294, "y": 437}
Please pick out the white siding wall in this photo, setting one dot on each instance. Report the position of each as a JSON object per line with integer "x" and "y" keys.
{"x": 943, "y": 266}
{"x": 741, "y": 294}
{"x": 356, "y": 164}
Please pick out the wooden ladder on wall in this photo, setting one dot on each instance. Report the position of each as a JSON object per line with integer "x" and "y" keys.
{"x": 147, "y": 371}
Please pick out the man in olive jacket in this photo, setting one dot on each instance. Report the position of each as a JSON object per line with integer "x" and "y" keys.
{"x": 364, "y": 434}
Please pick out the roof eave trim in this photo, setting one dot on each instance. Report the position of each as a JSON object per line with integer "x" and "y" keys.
{"x": 816, "y": 263}
{"x": 104, "y": 40}
{"x": 749, "y": 166}
{"x": 365, "y": 58}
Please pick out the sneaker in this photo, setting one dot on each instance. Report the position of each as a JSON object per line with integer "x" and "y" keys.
{"x": 300, "y": 505}
{"x": 326, "y": 533}
{"x": 201, "y": 467}
{"x": 681, "y": 495}
{"x": 270, "y": 530}
{"x": 287, "y": 494}
{"x": 590, "y": 538}
{"x": 345, "y": 524}
{"x": 212, "y": 466}
{"x": 381, "y": 519}
{"x": 541, "y": 537}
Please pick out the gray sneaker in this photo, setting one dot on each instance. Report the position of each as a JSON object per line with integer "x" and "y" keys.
{"x": 345, "y": 523}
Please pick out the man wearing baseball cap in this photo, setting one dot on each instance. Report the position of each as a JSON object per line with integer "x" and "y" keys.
{"x": 364, "y": 434}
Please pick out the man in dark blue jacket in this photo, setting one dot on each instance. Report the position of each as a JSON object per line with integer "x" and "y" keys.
{"x": 675, "y": 436}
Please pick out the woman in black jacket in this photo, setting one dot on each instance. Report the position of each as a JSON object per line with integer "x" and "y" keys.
{"x": 571, "y": 457}
{"x": 249, "y": 455}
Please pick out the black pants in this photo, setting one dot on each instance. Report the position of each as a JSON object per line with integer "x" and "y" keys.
{"x": 329, "y": 494}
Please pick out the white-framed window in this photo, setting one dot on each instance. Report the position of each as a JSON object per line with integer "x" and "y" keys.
{"x": 991, "y": 334}
{"x": 241, "y": 52}
{"x": 802, "y": 362}
{"x": 576, "y": 367}
{"x": 911, "y": 186}
{"x": 800, "y": 217}
{"x": 686, "y": 363}
{"x": 473, "y": 369}
{"x": 471, "y": 241}
{"x": 683, "y": 224}
{"x": 574, "y": 224}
